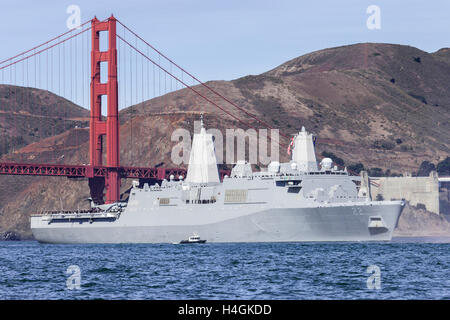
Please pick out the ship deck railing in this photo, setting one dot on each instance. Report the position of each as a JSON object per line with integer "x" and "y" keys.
{"x": 94, "y": 213}
{"x": 82, "y": 211}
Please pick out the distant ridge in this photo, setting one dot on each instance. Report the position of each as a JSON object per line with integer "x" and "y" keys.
{"x": 28, "y": 115}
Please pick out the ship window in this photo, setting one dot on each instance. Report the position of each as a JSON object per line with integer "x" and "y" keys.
{"x": 294, "y": 189}
{"x": 204, "y": 201}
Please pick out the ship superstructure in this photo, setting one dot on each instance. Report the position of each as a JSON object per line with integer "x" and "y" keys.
{"x": 293, "y": 201}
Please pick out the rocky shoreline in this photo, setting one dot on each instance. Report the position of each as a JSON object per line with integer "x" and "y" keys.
{"x": 9, "y": 236}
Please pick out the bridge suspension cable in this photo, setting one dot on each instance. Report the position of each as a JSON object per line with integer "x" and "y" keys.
{"x": 167, "y": 70}
{"x": 196, "y": 79}
{"x": 45, "y": 67}
{"x": 61, "y": 65}
{"x": 44, "y": 43}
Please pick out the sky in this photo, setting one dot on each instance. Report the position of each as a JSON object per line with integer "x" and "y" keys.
{"x": 224, "y": 40}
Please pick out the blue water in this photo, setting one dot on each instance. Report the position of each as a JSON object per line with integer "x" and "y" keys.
{"x": 408, "y": 270}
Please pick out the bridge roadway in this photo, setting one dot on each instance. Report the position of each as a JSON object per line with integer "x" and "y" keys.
{"x": 87, "y": 171}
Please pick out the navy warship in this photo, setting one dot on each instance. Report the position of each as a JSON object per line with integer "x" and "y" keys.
{"x": 300, "y": 200}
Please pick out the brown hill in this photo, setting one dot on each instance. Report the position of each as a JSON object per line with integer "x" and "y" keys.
{"x": 147, "y": 145}
{"x": 383, "y": 105}
{"x": 443, "y": 54}
{"x": 28, "y": 115}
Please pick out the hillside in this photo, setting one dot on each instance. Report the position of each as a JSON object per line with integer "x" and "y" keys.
{"x": 443, "y": 54}
{"x": 28, "y": 115}
{"x": 383, "y": 105}
{"x": 22, "y": 195}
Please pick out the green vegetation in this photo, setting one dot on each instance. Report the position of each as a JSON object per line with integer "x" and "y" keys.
{"x": 406, "y": 148}
{"x": 421, "y": 206}
{"x": 9, "y": 143}
{"x": 443, "y": 167}
{"x": 425, "y": 168}
{"x": 388, "y": 173}
{"x": 256, "y": 82}
{"x": 356, "y": 167}
{"x": 384, "y": 144}
{"x": 375, "y": 172}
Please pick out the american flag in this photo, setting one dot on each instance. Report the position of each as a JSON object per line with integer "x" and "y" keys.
{"x": 290, "y": 146}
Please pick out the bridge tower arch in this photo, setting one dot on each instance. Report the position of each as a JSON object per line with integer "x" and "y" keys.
{"x": 98, "y": 126}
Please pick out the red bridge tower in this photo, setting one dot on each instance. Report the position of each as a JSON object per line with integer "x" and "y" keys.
{"x": 99, "y": 127}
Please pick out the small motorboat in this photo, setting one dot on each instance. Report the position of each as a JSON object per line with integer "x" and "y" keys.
{"x": 193, "y": 239}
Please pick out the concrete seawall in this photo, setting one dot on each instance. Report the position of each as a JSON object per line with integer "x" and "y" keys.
{"x": 416, "y": 190}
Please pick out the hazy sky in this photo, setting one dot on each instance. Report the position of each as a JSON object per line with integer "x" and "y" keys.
{"x": 217, "y": 39}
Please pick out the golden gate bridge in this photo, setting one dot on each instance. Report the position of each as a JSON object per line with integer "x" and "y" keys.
{"x": 58, "y": 64}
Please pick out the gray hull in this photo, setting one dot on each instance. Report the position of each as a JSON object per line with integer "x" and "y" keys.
{"x": 337, "y": 222}
{"x": 291, "y": 201}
